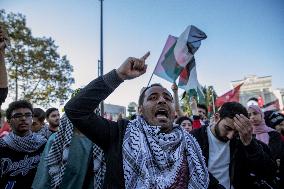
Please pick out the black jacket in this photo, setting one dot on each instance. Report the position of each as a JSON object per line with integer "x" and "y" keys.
{"x": 18, "y": 169}
{"x": 275, "y": 144}
{"x": 106, "y": 134}
{"x": 245, "y": 161}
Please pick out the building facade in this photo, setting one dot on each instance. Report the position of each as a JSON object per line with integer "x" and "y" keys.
{"x": 259, "y": 87}
{"x": 113, "y": 112}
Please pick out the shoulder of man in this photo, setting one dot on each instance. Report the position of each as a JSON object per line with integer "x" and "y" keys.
{"x": 200, "y": 134}
{"x": 3, "y": 94}
{"x": 274, "y": 134}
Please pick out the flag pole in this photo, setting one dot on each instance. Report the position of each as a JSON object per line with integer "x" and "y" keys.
{"x": 152, "y": 75}
{"x": 150, "y": 78}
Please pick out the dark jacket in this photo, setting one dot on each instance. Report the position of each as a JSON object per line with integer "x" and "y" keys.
{"x": 245, "y": 161}
{"x": 106, "y": 134}
{"x": 275, "y": 144}
{"x": 18, "y": 169}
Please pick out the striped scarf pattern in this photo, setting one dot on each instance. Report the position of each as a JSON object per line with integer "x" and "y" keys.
{"x": 59, "y": 152}
{"x": 152, "y": 159}
{"x": 29, "y": 143}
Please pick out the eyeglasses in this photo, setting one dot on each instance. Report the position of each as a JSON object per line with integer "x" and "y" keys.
{"x": 18, "y": 115}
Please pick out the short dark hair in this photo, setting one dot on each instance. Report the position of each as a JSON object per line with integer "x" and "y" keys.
{"x": 231, "y": 109}
{"x": 204, "y": 107}
{"x": 39, "y": 114}
{"x": 253, "y": 98}
{"x": 49, "y": 110}
{"x": 182, "y": 118}
{"x": 16, "y": 105}
{"x": 143, "y": 90}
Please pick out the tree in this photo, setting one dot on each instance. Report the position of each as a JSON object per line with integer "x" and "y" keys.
{"x": 36, "y": 70}
{"x": 131, "y": 108}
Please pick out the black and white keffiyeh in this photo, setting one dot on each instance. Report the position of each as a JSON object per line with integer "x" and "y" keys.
{"x": 152, "y": 159}
{"x": 59, "y": 151}
{"x": 29, "y": 143}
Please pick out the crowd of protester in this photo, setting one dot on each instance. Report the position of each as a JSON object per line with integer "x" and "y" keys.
{"x": 160, "y": 147}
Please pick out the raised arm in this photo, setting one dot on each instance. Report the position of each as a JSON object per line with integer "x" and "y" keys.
{"x": 176, "y": 100}
{"x": 80, "y": 109}
{"x": 3, "y": 71}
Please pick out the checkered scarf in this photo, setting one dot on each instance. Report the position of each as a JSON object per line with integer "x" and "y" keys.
{"x": 152, "y": 159}
{"x": 59, "y": 151}
{"x": 29, "y": 143}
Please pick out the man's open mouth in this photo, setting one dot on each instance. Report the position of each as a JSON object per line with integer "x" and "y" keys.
{"x": 161, "y": 114}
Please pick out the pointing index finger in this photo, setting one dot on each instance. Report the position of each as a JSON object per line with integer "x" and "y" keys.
{"x": 145, "y": 56}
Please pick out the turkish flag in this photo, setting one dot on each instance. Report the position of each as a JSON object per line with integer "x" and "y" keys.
{"x": 260, "y": 101}
{"x": 230, "y": 96}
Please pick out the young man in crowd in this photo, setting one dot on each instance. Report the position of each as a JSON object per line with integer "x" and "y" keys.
{"x": 39, "y": 126}
{"x": 148, "y": 152}
{"x": 20, "y": 149}
{"x": 203, "y": 113}
{"x": 59, "y": 167}
{"x": 53, "y": 119}
{"x": 234, "y": 158}
{"x": 199, "y": 111}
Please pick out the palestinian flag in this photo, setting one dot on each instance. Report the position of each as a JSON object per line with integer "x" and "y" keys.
{"x": 178, "y": 53}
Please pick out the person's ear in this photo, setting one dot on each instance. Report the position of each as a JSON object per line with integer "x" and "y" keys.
{"x": 140, "y": 108}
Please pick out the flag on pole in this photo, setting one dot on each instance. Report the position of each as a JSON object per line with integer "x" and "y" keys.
{"x": 274, "y": 105}
{"x": 187, "y": 44}
{"x": 230, "y": 96}
{"x": 167, "y": 67}
{"x": 188, "y": 79}
{"x": 178, "y": 52}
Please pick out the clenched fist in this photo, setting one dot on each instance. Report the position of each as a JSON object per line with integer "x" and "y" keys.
{"x": 132, "y": 67}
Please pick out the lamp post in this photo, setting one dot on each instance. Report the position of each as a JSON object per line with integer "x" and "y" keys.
{"x": 101, "y": 61}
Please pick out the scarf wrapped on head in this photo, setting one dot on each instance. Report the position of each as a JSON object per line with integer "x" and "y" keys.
{"x": 261, "y": 130}
{"x": 152, "y": 159}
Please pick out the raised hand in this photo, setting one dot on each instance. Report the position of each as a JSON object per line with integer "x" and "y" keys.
{"x": 133, "y": 67}
{"x": 244, "y": 127}
{"x": 174, "y": 87}
{"x": 193, "y": 105}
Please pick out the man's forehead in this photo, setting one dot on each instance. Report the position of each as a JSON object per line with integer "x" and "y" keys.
{"x": 156, "y": 89}
{"x": 55, "y": 112}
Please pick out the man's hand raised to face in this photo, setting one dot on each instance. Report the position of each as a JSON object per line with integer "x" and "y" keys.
{"x": 132, "y": 67}
{"x": 244, "y": 128}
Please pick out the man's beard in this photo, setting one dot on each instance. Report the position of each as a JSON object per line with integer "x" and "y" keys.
{"x": 218, "y": 133}
{"x": 54, "y": 125}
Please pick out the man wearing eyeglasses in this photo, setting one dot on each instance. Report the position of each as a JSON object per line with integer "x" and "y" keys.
{"x": 20, "y": 149}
